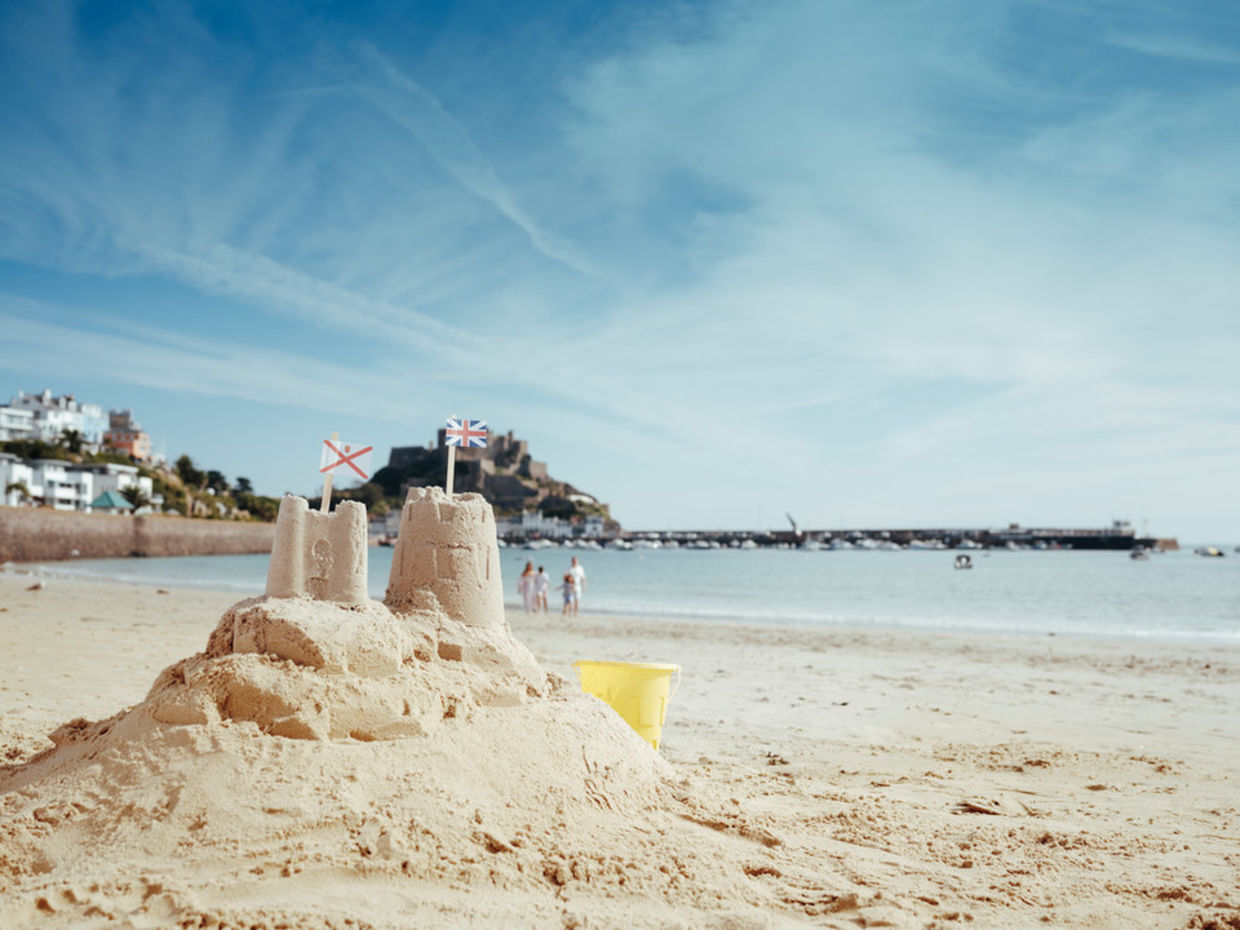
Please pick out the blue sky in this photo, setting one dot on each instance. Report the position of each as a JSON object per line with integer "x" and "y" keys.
{"x": 886, "y": 264}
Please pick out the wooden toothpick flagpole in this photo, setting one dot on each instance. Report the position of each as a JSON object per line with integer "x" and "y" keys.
{"x": 327, "y": 484}
{"x": 448, "y": 481}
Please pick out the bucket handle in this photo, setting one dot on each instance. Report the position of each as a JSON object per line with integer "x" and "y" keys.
{"x": 675, "y": 685}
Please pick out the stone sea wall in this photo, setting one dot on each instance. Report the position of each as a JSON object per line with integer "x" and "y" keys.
{"x": 39, "y": 534}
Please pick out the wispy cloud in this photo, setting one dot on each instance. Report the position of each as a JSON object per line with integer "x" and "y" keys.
{"x": 419, "y": 112}
{"x": 1176, "y": 48}
{"x": 166, "y": 361}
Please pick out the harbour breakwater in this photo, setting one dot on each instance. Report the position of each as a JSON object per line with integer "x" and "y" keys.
{"x": 1118, "y": 536}
{"x": 42, "y": 534}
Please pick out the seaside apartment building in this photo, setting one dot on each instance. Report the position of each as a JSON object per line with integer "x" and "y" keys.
{"x": 125, "y": 435}
{"x": 534, "y": 523}
{"x": 16, "y": 423}
{"x": 46, "y": 417}
{"x": 64, "y": 485}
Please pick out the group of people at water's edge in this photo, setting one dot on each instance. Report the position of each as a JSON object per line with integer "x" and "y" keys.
{"x": 533, "y": 586}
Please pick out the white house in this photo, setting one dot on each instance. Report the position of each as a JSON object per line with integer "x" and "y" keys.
{"x": 14, "y": 471}
{"x": 51, "y": 416}
{"x": 108, "y": 476}
{"x": 534, "y": 523}
{"x": 64, "y": 485}
{"x": 16, "y": 423}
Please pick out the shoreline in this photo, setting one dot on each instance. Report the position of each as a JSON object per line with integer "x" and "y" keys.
{"x": 907, "y": 777}
{"x": 693, "y": 616}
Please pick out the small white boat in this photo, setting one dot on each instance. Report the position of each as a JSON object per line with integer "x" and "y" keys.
{"x": 964, "y": 561}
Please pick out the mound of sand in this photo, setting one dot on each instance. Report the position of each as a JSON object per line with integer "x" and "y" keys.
{"x": 337, "y": 763}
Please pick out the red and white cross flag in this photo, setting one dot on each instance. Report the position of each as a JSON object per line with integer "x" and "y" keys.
{"x": 348, "y": 460}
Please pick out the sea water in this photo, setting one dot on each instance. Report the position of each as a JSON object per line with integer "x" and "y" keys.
{"x": 1174, "y": 595}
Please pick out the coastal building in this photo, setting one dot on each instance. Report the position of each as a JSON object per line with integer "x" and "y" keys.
{"x": 16, "y": 423}
{"x": 384, "y": 526}
{"x": 536, "y": 524}
{"x": 126, "y": 436}
{"x": 63, "y": 485}
{"x": 50, "y": 417}
{"x": 16, "y": 476}
{"x": 111, "y": 502}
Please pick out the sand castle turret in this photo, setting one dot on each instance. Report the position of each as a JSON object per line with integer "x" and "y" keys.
{"x": 319, "y": 555}
{"x": 447, "y": 558}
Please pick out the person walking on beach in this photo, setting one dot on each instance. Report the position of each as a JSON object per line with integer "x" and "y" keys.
{"x": 542, "y": 584}
{"x": 569, "y": 589}
{"x": 578, "y": 574}
{"x": 527, "y": 587}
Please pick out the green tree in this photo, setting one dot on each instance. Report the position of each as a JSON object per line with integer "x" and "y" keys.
{"x": 23, "y": 492}
{"x": 258, "y": 507}
{"x": 136, "y": 496}
{"x": 217, "y": 481}
{"x": 188, "y": 473}
{"x": 244, "y": 486}
{"x": 72, "y": 440}
{"x": 34, "y": 449}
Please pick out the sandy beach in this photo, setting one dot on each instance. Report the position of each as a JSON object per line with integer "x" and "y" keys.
{"x": 812, "y": 778}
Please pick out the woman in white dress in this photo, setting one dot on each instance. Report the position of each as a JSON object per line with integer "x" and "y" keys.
{"x": 527, "y": 587}
{"x": 542, "y": 585}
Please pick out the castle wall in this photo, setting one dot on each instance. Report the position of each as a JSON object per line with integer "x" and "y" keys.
{"x": 405, "y": 456}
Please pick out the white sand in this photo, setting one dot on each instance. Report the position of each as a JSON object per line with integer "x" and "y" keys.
{"x": 830, "y": 779}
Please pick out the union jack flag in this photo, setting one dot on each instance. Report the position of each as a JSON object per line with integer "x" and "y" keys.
{"x": 469, "y": 434}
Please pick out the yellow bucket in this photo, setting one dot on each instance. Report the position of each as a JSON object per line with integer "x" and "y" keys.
{"x": 637, "y": 691}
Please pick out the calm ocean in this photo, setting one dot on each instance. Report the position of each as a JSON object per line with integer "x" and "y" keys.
{"x": 1172, "y": 596}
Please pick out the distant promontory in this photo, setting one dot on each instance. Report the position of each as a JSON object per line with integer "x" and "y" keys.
{"x": 504, "y": 473}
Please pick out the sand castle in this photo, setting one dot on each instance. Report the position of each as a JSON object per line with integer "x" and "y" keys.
{"x": 361, "y": 669}
{"x": 413, "y": 738}
{"x": 447, "y": 558}
{"x": 319, "y": 555}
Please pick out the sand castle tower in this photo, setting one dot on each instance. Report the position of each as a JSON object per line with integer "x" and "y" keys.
{"x": 447, "y": 559}
{"x": 319, "y": 555}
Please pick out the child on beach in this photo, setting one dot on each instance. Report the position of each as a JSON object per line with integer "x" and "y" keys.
{"x": 569, "y": 588}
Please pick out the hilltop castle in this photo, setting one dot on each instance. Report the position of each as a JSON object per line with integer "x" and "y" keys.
{"x": 504, "y": 473}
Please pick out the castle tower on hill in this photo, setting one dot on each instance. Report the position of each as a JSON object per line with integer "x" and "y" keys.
{"x": 319, "y": 555}
{"x": 446, "y": 558}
